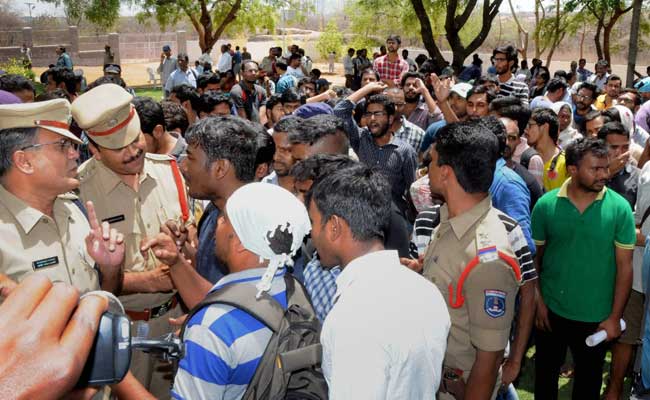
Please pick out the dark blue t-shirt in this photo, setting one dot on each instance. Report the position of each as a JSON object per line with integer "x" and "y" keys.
{"x": 207, "y": 264}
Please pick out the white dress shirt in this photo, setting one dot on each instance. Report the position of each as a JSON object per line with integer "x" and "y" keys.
{"x": 225, "y": 62}
{"x": 386, "y": 336}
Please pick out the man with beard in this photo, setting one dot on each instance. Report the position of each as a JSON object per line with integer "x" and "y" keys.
{"x": 137, "y": 194}
{"x": 612, "y": 90}
{"x": 583, "y": 100}
{"x": 402, "y": 128}
{"x": 420, "y": 108}
{"x": 249, "y": 97}
{"x": 282, "y": 159}
{"x": 585, "y": 235}
{"x": 375, "y": 145}
{"x": 452, "y": 101}
{"x": 505, "y": 60}
{"x": 542, "y": 134}
{"x": 599, "y": 79}
{"x": 391, "y": 66}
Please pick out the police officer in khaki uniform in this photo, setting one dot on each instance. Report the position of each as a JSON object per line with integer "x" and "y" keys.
{"x": 43, "y": 228}
{"x": 137, "y": 193}
{"x": 471, "y": 261}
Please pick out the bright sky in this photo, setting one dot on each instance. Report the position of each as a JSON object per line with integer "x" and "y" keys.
{"x": 40, "y": 8}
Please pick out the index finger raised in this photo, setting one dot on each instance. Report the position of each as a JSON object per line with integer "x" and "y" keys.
{"x": 92, "y": 215}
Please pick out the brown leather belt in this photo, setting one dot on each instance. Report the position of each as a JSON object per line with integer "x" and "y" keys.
{"x": 152, "y": 313}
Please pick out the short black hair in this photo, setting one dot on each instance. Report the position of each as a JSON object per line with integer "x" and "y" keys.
{"x": 481, "y": 89}
{"x": 14, "y": 83}
{"x": 273, "y": 101}
{"x": 472, "y": 151}
{"x": 369, "y": 70}
{"x": 57, "y": 93}
{"x": 306, "y": 81}
{"x": 395, "y": 38}
{"x": 288, "y": 124}
{"x": 281, "y": 65}
{"x": 175, "y": 116}
{"x": 294, "y": 56}
{"x": 182, "y": 56}
{"x": 576, "y": 151}
{"x": 543, "y": 116}
{"x": 509, "y": 51}
{"x": 209, "y": 100}
{"x": 502, "y": 102}
{"x": 408, "y": 75}
{"x": 494, "y": 125}
{"x": 103, "y": 80}
{"x": 290, "y": 95}
{"x": 593, "y": 114}
{"x": 612, "y": 128}
{"x": 184, "y": 92}
{"x": 63, "y": 75}
{"x": 227, "y": 138}
{"x": 313, "y": 129}
{"x": 389, "y": 106}
{"x": 317, "y": 166}
{"x": 357, "y": 194}
{"x": 556, "y": 84}
{"x": 150, "y": 114}
{"x": 612, "y": 77}
{"x": 518, "y": 113}
{"x": 265, "y": 148}
{"x": 589, "y": 86}
{"x": 207, "y": 78}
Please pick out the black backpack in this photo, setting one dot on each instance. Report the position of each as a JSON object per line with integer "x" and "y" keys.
{"x": 290, "y": 366}
{"x": 526, "y": 156}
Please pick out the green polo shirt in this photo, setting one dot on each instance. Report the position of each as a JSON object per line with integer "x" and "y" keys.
{"x": 579, "y": 266}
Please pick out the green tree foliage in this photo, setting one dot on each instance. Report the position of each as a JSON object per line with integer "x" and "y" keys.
{"x": 330, "y": 41}
{"x": 213, "y": 18}
{"x": 101, "y": 13}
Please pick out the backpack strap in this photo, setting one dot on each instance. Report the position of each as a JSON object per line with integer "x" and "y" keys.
{"x": 646, "y": 214}
{"x": 185, "y": 210}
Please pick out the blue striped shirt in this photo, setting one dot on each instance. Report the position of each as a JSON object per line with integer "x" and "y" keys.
{"x": 224, "y": 345}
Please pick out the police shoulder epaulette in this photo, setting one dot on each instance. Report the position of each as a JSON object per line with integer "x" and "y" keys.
{"x": 87, "y": 169}
{"x": 158, "y": 157}
{"x": 68, "y": 196}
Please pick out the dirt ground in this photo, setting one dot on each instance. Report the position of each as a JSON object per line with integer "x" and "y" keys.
{"x": 136, "y": 75}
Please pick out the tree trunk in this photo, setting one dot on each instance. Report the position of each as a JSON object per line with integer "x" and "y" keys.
{"x": 426, "y": 32}
{"x": 582, "y": 40}
{"x": 522, "y": 34}
{"x": 599, "y": 48}
{"x": 634, "y": 42}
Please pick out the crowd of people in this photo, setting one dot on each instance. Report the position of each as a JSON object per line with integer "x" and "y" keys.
{"x": 439, "y": 222}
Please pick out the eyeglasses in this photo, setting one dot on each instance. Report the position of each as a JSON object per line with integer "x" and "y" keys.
{"x": 500, "y": 59}
{"x": 64, "y": 145}
{"x": 583, "y": 97}
{"x": 377, "y": 114}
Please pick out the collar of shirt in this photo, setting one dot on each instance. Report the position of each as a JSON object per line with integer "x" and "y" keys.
{"x": 27, "y": 216}
{"x": 112, "y": 180}
{"x": 357, "y": 267}
{"x": 461, "y": 223}
{"x": 248, "y": 275}
{"x": 564, "y": 190}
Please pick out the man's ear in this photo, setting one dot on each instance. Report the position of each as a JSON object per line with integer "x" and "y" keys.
{"x": 21, "y": 160}
{"x": 95, "y": 151}
{"x": 220, "y": 168}
{"x": 261, "y": 171}
{"x": 336, "y": 228}
{"x": 158, "y": 132}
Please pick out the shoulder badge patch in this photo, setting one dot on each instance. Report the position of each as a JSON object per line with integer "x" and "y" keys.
{"x": 495, "y": 303}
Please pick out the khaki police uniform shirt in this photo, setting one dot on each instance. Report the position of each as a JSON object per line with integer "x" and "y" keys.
{"x": 137, "y": 215}
{"x": 483, "y": 321}
{"x": 33, "y": 242}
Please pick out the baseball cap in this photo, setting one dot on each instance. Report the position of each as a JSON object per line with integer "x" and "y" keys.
{"x": 461, "y": 89}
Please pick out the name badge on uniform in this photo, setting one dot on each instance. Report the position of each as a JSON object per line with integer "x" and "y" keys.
{"x": 112, "y": 220}
{"x": 46, "y": 262}
{"x": 488, "y": 254}
{"x": 495, "y": 303}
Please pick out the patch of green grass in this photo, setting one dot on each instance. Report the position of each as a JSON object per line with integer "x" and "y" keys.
{"x": 155, "y": 94}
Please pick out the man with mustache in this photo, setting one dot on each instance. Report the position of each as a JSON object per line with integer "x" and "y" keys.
{"x": 375, "y": 145}
{"x": 137, "y": 193}
{"x": 585, "y": 235}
